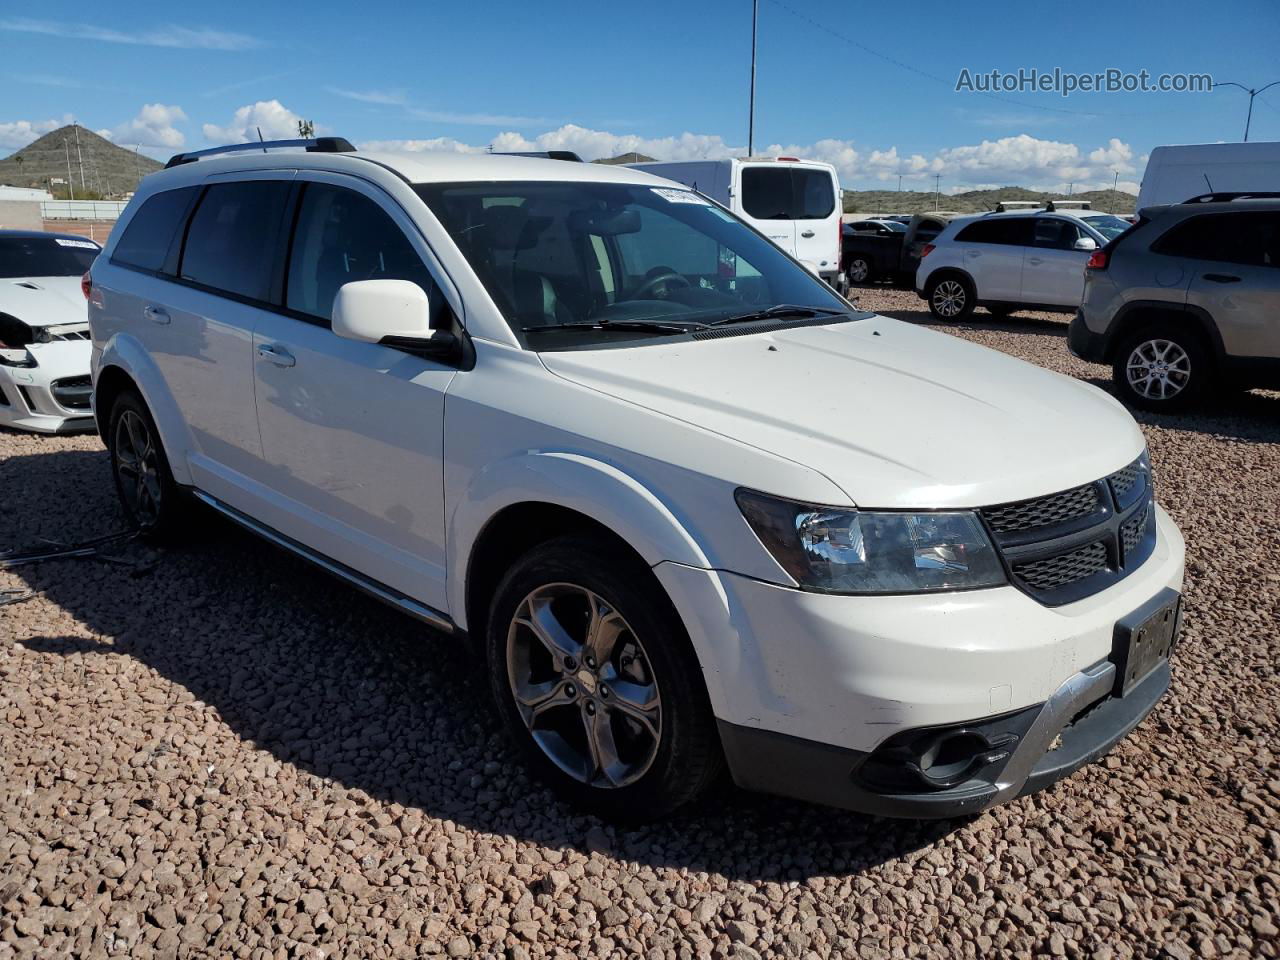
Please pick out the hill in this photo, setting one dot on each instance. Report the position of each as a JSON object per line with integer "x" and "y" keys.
{"x": 632, "y": 157}
{"x": 975, "y": 201}
{"x": 108, "y": 170}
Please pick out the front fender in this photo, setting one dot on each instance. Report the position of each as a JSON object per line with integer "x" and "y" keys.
{"x": 575, "y": 481}
{"x": 126, "y": 353}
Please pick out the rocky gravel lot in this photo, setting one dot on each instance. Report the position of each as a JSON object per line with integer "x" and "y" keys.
{"x": 217, "y": 751}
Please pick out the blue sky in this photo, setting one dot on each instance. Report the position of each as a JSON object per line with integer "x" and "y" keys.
{"x": 868, "y": 86}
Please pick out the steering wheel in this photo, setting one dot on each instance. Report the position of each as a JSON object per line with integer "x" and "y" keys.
{"x": 665, "y": 275}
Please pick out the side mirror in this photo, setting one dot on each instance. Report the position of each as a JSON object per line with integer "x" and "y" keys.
{"x": 371, "y": 310}
{"x": 394, "y": 313}
{"x": 1087, "y": 244}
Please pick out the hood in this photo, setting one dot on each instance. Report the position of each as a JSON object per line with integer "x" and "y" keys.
{"x": 893, "y": 414}
{"x": 43, "y": 301}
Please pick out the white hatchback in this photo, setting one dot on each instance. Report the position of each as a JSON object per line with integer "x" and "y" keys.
{"x": 695, "y": 508}
{"x": 1028, "y": 260}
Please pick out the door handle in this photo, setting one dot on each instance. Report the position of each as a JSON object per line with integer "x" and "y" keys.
{"x": 277, "y": 355}
{"x": 156, "y": 314}
{"x": 1035, "y": 261}
{"x": 1222, "y": 278}
{"x": 807, "y": 234}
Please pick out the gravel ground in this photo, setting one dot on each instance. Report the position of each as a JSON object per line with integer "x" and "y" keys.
{"x": 216, "y": 751}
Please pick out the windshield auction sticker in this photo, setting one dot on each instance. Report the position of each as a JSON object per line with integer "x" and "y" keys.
{"x": 85, "y": 244}
{"x": 679, "y": 196}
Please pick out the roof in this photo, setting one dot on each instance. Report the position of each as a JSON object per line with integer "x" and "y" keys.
{"x": 415, "y": 167}
{"x": 38, "y": 234}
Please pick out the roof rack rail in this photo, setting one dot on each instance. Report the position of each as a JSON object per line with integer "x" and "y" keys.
{"x": 1053, "y": 205}
{"x": 1007, "y": 206}
{"x": 544, "y": 154}
{"x": 1237, "y": 195}
{"x": 311, "y": 145}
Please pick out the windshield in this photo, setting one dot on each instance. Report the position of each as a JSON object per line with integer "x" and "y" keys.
{"x": 787, "y": 193}
{"x": 574, "y": 264}
{"x": 1107, "y": 225}
{"x": 45, "y": 256}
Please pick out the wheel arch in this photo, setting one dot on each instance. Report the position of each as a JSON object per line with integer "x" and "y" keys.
{"x": 959, "y": 273}
{"x": 1141, "y": 313}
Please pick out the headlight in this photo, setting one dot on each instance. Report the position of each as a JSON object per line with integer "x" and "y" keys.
{"x": 839, "y": 550}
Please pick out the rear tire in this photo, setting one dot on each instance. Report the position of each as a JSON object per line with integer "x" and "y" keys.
{"x": 605, "y": 697}
{"x": 1163, "y": 369}
{"x": 153, "y": 502}
{"x": 951, "y": 297}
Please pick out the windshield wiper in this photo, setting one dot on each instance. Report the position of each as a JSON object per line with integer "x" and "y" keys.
{"x": 781, "y": 310}
{"x": 644, "y": 326}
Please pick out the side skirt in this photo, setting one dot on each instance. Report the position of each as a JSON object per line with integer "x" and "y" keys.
{"x": 394, "y": 598}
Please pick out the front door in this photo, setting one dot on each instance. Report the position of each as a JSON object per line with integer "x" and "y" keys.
{"x": 1053, "y": 270}
{"x": 353, "y": 433}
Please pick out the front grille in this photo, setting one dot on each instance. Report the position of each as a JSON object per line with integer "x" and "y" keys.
{"x": 1063, "y": 568}
{"x": 1043, "y": 511}
{"x": 1066, "y": 546}
{"x": 73, "y": 393}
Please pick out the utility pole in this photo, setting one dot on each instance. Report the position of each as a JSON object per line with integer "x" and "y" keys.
{"x": 71, "y": 184}
{"x": 751, "y": 107}
{"x": 1252, "y": 93}
{"x": 79, "y": 157}
{"x": 937, "y": 189}
{"x": 1115, "y": 184}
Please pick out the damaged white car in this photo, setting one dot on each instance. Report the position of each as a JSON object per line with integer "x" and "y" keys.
{"x": 44, "y": 332}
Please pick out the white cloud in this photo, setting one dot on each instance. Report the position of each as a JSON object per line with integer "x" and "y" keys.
{"x": 271, "y": 117}
{"x": 392, "y": 98}
{"x": 19, "y": 133}
{"x": 187, "y": 38}
{"x": 152, "y": 127}
{"x": 1022, "y": 160}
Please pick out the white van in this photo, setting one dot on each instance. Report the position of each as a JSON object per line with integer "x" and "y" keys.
{"x": 793, "y": 202}
{"x": 1176, "y": 174}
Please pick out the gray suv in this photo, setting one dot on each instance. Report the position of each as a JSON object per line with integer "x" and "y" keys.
{"x": 1186, "y": 301}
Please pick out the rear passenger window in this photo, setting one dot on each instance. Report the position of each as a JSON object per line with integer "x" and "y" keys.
{"x": 343, "y": 236}
{"x": 1251, "y": 239}
{"x": 1006, "y": 230}
{"x": 147, "y": 238}
{"x": 231, "y": 245}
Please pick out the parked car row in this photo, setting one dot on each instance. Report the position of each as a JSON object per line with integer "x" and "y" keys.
{"x": 696, "y": 509}
{"x": 876, "y": 250}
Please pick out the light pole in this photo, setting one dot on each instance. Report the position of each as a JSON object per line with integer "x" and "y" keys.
{"x": 1252, "y": 93}
{"x": 937, "y": 189}
{"x": 1115, "y": 184}
{"x": 751, "y": 107}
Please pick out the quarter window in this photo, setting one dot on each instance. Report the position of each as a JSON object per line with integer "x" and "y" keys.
{"x": 146, "y": 240}
{"x": 231, "y": 245}
{"x": 341, "y": 237}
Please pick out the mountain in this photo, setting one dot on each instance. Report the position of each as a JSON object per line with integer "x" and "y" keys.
{"x": 632, "y": 157}
{"x": 975, "y": 201}
{"x": 108, "y": 170}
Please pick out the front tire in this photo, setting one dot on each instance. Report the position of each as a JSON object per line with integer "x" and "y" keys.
{"x": 860, "y": 269}
{"x": 152, "y": 501}
{"x": 951, "y": 297}
{"x": 1163, "y": 369}
{"x": 596, "y": 680}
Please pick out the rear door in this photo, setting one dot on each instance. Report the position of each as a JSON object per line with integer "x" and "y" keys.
{"x": 768, "y": 202}
{"x": 353, "y": 433}
{"x": 992, "y": 251}
{"x": 1237, "y": 278}
{"x": 817, "y": 225}
{"x": 1053, "y": 270}
{"x": 227, "y": 278}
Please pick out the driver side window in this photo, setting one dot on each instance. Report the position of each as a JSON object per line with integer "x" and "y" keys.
{"x": 342, "y": 236}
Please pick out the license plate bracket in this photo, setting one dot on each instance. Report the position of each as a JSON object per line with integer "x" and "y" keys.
{"x": 1145, "y": 639}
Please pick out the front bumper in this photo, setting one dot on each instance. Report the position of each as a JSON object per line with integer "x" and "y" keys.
{"x": 826, "y": 680}
{"x": 28, "y": 402}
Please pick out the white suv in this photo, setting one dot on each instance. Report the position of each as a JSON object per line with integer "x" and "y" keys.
{"x": 693, "y": 506}
{"x": 1025, "y": 260}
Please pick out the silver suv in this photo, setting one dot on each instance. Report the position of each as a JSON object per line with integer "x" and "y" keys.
{"x": 1186, "y": 301}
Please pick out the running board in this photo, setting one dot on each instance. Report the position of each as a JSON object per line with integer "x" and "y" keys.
{"x": 419, "y": 611}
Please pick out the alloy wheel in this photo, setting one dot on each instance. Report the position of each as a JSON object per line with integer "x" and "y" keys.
{"x": 138, "y": 467}
{"x": 948, "y": 298}
{"x": 584, "y": 686}
{"x": 1158, "y": 369}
